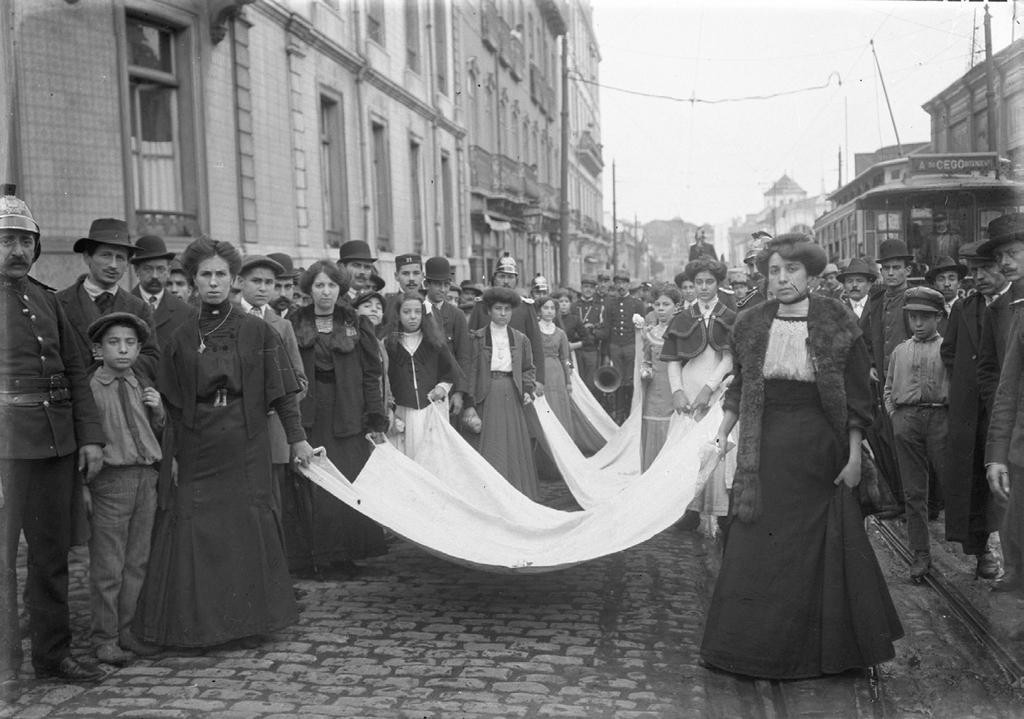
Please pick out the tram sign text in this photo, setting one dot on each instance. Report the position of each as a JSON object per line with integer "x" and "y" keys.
{"x": 965, "y": 164}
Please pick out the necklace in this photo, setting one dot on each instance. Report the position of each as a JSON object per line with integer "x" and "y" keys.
{"x": 202, "y": 337}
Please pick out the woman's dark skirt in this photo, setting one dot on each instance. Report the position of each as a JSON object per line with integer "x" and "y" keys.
{"x": 800, "y": 593}
{"x": 505, "y": 437}
{"x": 322, "y": 530}
{"x": 217, "y": 569}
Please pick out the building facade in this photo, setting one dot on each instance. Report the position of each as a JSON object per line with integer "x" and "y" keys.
{"x": 787, "y": 208}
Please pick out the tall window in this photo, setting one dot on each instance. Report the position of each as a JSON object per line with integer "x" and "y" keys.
{"x": 473, "y": 90}
{"x": 382, "y": 185}
{"x": 447, "y": 205}
{"x": 412, "y": 35}
{"x": 375, "y": 20}
{"x": 416, "y": 194}
{"x": 163, "y": 168}
{"x": 441, "y": 45}
{"x": 332, "y": 172}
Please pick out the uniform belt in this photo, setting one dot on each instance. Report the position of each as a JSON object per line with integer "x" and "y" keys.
{"x": 31, "y": 399}
{"x": 24, "y": 385}
{"x": 623, "y": 340}
{"x": 929, "y": 405}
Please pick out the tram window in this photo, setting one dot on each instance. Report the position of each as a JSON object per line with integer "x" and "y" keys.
{"x": 938, "y": 230}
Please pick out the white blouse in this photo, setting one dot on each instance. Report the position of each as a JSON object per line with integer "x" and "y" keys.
{"x": 787, "y": 356}
{"x": 501, "y": 351}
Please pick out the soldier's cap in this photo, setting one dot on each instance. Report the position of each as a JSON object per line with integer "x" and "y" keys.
{"x": 99, "y": 326}
{"x": 470, "y": 286}
{"x": 408, "y": 259}
{"x": 253, "y": 261}
{"x": 924, "y": 299}
{"x": 588, "y": 280}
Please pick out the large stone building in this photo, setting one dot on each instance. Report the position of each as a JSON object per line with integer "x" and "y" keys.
{"x": 293, "y": 125}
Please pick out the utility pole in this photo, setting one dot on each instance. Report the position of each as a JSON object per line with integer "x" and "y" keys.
{"x": 899, "y": 147}
{"x": 615, "y": 226}
{"x": 563, "y": 216}
{"x": 636, "y": 239}
{"x": 990, "y": 88}
{"x": 840, "y": 154}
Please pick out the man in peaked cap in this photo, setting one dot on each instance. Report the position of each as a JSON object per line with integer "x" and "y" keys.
{"x": 604, "y": 284}
{"x": 451, "y": 321}
{"x": 408, "y": 275}
{"x": 620, "y": 346}
{"x": 106, "y": 251}
{"x": 152, "y": 265}
{"x": 590, "y": 309}
{"x": 857, "y": 277}
{"x": 971, "y": 513}
{"x": 355, "y": 256}
{"x": 284, "y": 300}
{"x": 50, "y": 428}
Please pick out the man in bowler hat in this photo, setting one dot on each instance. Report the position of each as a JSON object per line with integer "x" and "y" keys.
{"x": 451, "y": 321}
{"x": 283, "y": 300}
{"x": 152, "y": 264}
{"x": 858, "y": 277}
{"x": 51, "y": 427}
{"x": 355, "y": 256}
{"x": 106, "y": 251}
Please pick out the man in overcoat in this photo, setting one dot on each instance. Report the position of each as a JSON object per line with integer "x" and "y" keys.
{"x": 49, "y": 427}
{"x": 451, "y": 321}
{"x": 1006, "y": 234}
{"x": 971, "y": 515}
{"x": 152, "y": 264}
{"x": 857, "y": 277}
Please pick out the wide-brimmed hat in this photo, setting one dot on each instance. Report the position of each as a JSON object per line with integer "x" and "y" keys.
{"x": 437, "y": 269}
{"x": 945, "y": 264}
{"x": 151, "y": 247}
{"x": 355, "y": 251}
{"x": 858, "y": 266}
{"x": 469, "y": 286}
{"x": 794, "y": 246}
{"x": 106, "y": 231}
{"x": 1008, "y": 228}
{"x": 251, "y": 261}
{"x": 287, "y": 266}
{"x": 893, "y": 250}
{"x": 99, "y": 326}
{"x": 924, "y": 299}
{"x": 377, "y": 282}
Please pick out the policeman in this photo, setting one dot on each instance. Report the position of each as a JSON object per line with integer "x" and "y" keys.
{"x": 590, "y": 309}
{"x": 49, "y": 424}
{"x": 620, "y": 347}
{"x": 756, "y": 292}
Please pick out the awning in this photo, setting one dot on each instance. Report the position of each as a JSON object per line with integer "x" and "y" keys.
{"x": 495, "y": 224}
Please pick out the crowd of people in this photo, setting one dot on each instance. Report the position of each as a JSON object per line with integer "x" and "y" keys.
{"x": 163, "y": 425}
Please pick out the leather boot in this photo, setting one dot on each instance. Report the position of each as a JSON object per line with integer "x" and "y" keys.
{"x": 988, "y": 566}
{"x": 922, "y": 563}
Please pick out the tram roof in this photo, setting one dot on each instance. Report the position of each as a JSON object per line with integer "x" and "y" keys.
{"x": 879, "y": 196}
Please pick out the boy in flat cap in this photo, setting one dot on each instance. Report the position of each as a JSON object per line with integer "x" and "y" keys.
{"x": 122, "y": 497}
{"x": 916, "y": 397}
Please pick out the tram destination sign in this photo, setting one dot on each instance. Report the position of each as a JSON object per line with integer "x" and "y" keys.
{"x": 970, "y": 163}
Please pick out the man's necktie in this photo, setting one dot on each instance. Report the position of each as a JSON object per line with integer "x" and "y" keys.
{"x": 104, "y": 302}
{"x": 129, "y": 418}
{"x": 152, "y": 301}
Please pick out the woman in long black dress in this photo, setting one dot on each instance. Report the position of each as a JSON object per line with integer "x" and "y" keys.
{"x": 800, "y": 593}
{"x": 344, "y": 402}
{"x": 217, "y": 570}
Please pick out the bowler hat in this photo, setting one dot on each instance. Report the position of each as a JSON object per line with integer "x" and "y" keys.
{"x": 1008, "y": 228}
{"x": 252, "y": 261}
{"x": 794, "y": 246}
{"x": 858, "y": 266}
{"x": 468, "y": 286}
{"x": 893, "y": 250}
{"x": 355, "y": 251}
{"x": 288, "y": 267}
{"x": 924, "y": 299}
{"x": 408, "y": 259}
{"x": 106, "y": 231}
{"x": 151, "y": 247}
{"x": 945, "y": 264}
{"x": 99, "y": 326}
{"x": 438, "y": 269}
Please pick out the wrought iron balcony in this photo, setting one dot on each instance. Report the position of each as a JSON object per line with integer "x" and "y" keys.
{"x": 588, "y": 152}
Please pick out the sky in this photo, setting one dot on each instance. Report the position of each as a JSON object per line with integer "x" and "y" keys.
{"x": 708, "y": 163}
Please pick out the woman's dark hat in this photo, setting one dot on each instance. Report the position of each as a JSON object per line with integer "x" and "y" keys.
{"x": 1008, "y": 228}
{"x": 794, "y": 246}
{"x": 252, "y": 261}
{"x": 468, "y": 286}
{"x": 858, "y": 266}
{"x": 377, "y": 282}
{"x": 151, "y": 247}
{"x": 493, "y": 295}
{"x": 367, "y": 296}
{"x": 106, "y": 231}
{"x": 438, "y": 269}
{"x": 355, "y": 251}
{"x": 286, "y": 264}
{"x": 99, "y": 327}
{"x": 893, "y": 250}
{"x": 924, "y": 299}
{"x": 945, "y": 264}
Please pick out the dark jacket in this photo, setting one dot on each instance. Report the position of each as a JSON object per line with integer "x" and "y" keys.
{"x": 37, "y": 343}
{"x": 995, "y": 330}
{"x": 523, "y": 369}
{"x": 455, "y": 329}
{"x": 1005, "y": 443}
{"x": 170, "y": 313}
{"x": 414, "y": 375}
{"x": 524, "y": 320}
{"x": 82, "y": 311}
{"x": 618, "y": 319}
{"x": 591, "y": 312}
{"x": 573, "y": 326}
{"x": 357, "y": 386}
{"x": 872, "y": 324}
{"x": 688, "y": 335}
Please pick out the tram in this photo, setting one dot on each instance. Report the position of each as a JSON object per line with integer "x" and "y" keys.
{"x": 933, "y": 202}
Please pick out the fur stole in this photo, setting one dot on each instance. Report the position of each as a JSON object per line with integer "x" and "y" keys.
{"x": 831, "y": 333}
{"x": 342, "y": 340}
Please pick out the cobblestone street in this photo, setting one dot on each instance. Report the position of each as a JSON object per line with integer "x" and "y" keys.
{"x": 417, "y": 637}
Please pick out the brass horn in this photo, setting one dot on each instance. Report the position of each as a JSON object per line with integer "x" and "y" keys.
{"x": 607, "y": 378}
